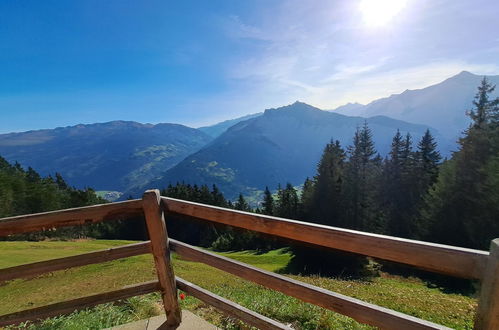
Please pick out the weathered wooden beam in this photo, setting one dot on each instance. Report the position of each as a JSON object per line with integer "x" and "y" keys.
{"x": 69, "y": 217}
{"x": 230, "y": 308}
{"x": 445, "y": 259}
{"x": 67, "y": 307}
{"x": 41, "y": 267}
{"x": 359, "y": 310}
{"x": 487, "y": 317}
{"x": 158, "y": 235}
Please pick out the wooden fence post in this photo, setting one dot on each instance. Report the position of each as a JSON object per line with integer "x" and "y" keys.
{"x": 487, "y": 317}
{"x": 159, "y": 245}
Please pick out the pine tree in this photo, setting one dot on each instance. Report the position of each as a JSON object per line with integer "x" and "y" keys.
{"x": 268, "y": 202}
{"x": 287, "y": 205}
{"x": 485, "y": 109}
{"x": 241, "y": 204}
{"x": 328, "y": 196}
{"x": 428, "y": 159}
{"x": 307, "y": 212}
{"x": 465, "y": 196}
{"x": 362, "y": 175}
{"x": 218, "y": 198}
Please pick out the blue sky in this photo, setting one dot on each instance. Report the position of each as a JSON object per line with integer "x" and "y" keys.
{"x": 198, "y": 62}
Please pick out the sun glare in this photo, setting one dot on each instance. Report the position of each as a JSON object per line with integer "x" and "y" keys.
{"x": 380, "y": 12}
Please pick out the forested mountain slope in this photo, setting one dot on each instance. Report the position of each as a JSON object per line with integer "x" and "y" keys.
{"x": 282, "y": 145}
{"x": 117, "y": 155}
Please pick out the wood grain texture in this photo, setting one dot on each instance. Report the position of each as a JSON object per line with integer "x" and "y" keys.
{"x": 70, "y": 306}
{"x": 159, "y": 246}
{"x": 230, "y": 308}
{"x": 445, "y": 259}
{"x": 359, "y": 310}
{"x": 70, "y": 217}
{"x": 487, "y": 317}
{"x": 41, "y": 267}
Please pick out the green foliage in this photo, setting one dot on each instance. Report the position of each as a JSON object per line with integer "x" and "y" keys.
{"x": 287, "y": 203}
{"x": 241, "y": 204}
{"x": 361, "y": 181}
{"x": 25, "y": 191}
{"x": 357, "y": 190}
{"x": 202, "y": 233}
{"x": 268, "y": 202}
{"x": 465, "y": 197}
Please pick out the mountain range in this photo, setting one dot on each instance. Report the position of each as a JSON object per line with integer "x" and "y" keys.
{"x": 113, "y": 156}
{"x": 442, "y": 106}
{"x": 243, "y": 154}
{"x": 282, "y": 145}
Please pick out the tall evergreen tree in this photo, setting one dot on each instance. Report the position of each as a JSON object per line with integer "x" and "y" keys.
{"x": 268, "y": 202}
{"x": 328, "y": 196}
{"x": 287, "y": 205}
{"x": 362, "y": 175}
{"x": 402, "y": 197}
{"x": 241, "y": 204}
{"x": 428, "y": 159}
{"x": 306, "y": 212}
{"x": 465, "y": 196}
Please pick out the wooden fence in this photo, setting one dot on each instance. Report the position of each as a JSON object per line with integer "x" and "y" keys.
{"x": 444, "y": 259}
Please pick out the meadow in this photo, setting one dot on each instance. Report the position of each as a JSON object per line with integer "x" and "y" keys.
{"x": 405, "y": 294}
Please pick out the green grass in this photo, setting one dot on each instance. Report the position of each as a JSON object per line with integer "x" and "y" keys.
{"x": 410, "y": 295}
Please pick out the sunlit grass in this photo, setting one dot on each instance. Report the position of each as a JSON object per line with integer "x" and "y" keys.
{"x": 410, "y": 296}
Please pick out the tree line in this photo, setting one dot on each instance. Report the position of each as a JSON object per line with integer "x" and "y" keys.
{"x": 26, "y": 191}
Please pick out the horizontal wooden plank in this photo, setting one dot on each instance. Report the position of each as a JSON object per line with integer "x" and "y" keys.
{"x": 230, "y": 308}
{"x": 70, "y": 217}
{"x": 445, "y": 259}
{"x": 41, "y": 267}
{"x": 67, "y": 307}
{"x": 359, "y": 310}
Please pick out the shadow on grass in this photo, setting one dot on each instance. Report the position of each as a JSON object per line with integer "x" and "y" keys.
{"x": 446, "y": 284}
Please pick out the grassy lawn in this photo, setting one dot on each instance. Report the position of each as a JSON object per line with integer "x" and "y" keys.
{"x": 410, "y": 295}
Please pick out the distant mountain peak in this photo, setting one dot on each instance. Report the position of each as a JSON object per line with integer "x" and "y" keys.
{"x": 442, "y": 106}
{"x": 465, "y": 73}
{"x": 297, "y": 106}
{"x": 464, "y": 76}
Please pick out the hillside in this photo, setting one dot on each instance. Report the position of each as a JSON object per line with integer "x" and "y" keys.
{"x": 116, "y": 155}
{"x": 283, "y": 145}
{"x": 442, "y": 106}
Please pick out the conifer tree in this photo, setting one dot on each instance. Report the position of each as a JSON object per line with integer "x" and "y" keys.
{"x": 268, "y": 202}
{"x": 307, "y": 212}
{"x": 241, "y": 204}
{"x": 328, "y": 195}
{"x": 287, "y": 202}
{"x": 428, "y": 160}
{"x": 465, "y": 197}
{"x": 362, "y": 175}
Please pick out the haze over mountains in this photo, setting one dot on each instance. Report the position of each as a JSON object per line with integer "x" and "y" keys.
{"x": 242, "y": 154}
{"x": 283, "y": 145}
{"x": 110, "y": 156}
{"x": 442, "y": 106}
{"x": 219, "y": 128}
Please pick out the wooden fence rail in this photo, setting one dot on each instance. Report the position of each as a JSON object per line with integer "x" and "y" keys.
{"x": 70, "y": 217}
{"x": 70, "y": 306}
{"x": 445, "y": 259}
{"x": 356, "y": 309}
{"x": 450, "y": 260}
{"x": 41, "y": 267}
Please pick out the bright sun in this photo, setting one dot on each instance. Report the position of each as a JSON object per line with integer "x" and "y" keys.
{"x": 380, "y": 12}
